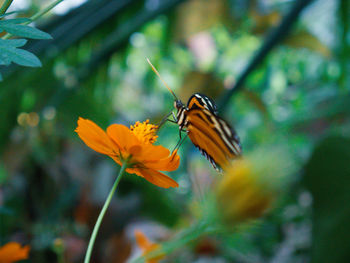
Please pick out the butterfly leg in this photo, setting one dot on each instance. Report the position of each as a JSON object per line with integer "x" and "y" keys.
{"x": 165, "y": 118}
{"x": 174, "y": 116}
{"x": 180, "y": 141}
{"x": 174, "y": 120}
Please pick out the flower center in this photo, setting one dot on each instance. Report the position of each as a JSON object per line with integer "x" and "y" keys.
{"x": 145, "y": 132}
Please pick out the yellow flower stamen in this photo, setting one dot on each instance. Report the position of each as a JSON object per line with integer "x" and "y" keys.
{"x": 145, "y": 132}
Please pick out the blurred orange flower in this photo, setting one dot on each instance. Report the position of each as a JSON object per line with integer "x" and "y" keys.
{"x": 134, "y": 146}
{"x": 147, "y": 246}
{"x": 12, "y": 252}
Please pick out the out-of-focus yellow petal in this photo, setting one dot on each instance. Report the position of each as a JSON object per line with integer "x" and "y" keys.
{"x": 247, "y": 190}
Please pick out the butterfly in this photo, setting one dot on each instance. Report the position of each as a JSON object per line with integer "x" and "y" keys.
{"x": 211, "y": 134}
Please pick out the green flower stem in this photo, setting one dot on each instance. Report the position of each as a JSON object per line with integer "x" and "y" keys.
{"x": 35, "y": 16}
{"x": 102, "y": 213}
{"x": 5, "y": 6}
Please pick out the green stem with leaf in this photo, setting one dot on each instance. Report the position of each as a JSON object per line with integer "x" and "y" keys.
{"x": 102, "y": 213}
{"x": 43, "y": 12}
{"x": 37, "y": 15}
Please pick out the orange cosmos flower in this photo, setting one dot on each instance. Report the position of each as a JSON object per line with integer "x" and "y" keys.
{"x": 147, "y": 246}
{"x": 134, "y": 146}
{"x": 12, "y": 252}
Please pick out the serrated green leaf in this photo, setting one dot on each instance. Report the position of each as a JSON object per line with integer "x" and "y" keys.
{"x": 14, "y": 21}
{"x": 25, "y": 31}
{"x": 13, "y": 42}
{"x": 20, "y": 56}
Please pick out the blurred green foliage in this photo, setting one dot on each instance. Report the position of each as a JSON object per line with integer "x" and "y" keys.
{"x": 327, "y": 176}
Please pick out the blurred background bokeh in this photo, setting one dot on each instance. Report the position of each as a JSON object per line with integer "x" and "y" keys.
{"x": 279, "y": 78}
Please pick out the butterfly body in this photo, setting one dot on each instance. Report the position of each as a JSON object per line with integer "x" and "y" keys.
{"x": 212, "y": 135}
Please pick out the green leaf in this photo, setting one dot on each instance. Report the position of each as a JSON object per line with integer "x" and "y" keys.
{"x": 13, "y": 42}
{"x": 25, "y": 31}
{"x": 4, "y": 58}
{"x": 327, "y": 176}
{"x": 14, "y": 21}
{"x": 19, "y": 56}
{"x": 1, "y": 77}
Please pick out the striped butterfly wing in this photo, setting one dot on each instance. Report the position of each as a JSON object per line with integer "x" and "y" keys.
{"x": 201, "y": 101}
{"x": 216, "y": 140}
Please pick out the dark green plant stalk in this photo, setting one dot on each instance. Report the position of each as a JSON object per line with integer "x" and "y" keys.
{"x": 274, "y": 38}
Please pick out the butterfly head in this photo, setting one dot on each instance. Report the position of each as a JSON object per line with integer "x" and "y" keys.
{"x": 178, "y": 104}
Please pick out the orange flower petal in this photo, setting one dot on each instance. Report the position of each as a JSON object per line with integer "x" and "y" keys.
{"x": 94, "y": 137}
{"x": 142, "y": 241}
{"x": 120, "y": 143}
{"x": 170, "y": 163}
{"x": 147, "y": 246}
{"x": 154, "y": 152}
{"x": 132, "y": 171}
{"x": 122, "y": 136}
{"x": 135, "y": 150}
{"x": 155, "y": 177}
{"x": 12, "y": 252}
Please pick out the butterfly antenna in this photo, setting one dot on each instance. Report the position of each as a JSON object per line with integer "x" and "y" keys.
{"x": 166, "y": 85}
